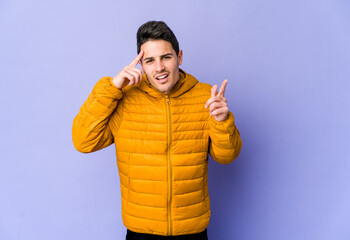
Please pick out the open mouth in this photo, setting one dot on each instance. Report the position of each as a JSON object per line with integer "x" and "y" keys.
{"x": 163, "y": 78}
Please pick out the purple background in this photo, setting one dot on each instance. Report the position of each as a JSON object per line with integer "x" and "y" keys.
{"x": 288, "y": 65}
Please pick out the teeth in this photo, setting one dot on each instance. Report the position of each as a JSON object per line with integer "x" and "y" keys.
{"x": 164, "y": 76}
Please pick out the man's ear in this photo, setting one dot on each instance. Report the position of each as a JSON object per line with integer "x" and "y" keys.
{"x": 179, "y": 57}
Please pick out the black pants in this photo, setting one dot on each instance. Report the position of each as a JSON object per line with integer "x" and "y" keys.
{"x": 130, "y": 235}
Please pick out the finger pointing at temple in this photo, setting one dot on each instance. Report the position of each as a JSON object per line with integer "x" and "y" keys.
{"x": 137, "y": 59}
{"x": 130, "y": 74}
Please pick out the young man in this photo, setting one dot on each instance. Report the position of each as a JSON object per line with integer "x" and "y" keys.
{"x": 163, "y": 123}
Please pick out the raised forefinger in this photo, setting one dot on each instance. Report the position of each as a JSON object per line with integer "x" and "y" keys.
{"x": 222, "y": 88}
{"x": 136, "y": 60}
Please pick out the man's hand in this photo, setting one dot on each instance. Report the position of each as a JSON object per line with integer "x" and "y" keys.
{"x": 217, "y": 103}
{"x": 130, "y": 74}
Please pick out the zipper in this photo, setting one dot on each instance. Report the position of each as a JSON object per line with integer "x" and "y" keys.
{"x": 167, "y": 99}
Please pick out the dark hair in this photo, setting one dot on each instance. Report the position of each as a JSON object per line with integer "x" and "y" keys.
{"x": 156, "y": 30}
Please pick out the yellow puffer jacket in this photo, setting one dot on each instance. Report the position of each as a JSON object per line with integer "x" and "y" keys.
{"x": 162, "y": 144}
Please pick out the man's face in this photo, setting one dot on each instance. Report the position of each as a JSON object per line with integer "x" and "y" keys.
{"x": 161, "y": 64}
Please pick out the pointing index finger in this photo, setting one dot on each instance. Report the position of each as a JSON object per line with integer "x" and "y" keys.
{"x": 136, "y": 60}
{"x": 222, "y": 88}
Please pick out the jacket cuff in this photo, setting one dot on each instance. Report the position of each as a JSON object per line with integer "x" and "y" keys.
{"x": 227, "y": 125}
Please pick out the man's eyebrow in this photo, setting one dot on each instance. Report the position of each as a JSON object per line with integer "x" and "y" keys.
{"x": 167, "y": 54}
{"x": 164, "y": 55}
{"x": 148, "y": 58}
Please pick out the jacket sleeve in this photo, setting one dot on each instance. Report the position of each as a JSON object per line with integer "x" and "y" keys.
{"x": 91, "y": 130}
{"x": 225, "y": 141}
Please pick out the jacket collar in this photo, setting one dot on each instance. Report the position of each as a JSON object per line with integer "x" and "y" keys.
{"x": 185, "y": 83}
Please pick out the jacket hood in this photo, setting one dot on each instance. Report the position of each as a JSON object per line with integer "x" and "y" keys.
{"x": 185, "y": 83}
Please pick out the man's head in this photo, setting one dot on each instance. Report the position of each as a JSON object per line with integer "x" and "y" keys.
{"x": 162, "y": 57}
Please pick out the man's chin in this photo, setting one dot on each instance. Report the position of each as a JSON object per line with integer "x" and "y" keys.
{"x": 161, "y": 88}
{"x": 164, "y": 90}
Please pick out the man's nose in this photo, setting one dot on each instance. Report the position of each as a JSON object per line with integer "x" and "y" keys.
{"x": 159, "y": 66}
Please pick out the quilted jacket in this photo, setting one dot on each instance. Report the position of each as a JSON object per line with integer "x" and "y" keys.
{"x": 162, "y": 144}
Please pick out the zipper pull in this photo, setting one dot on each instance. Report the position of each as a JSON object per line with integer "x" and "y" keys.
{"x": 167, "y": 99}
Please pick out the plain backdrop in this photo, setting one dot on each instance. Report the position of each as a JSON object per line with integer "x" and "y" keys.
{"x": 288, "y": 66}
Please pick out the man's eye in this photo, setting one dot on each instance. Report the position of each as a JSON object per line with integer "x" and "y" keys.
{"x": 167, "y": 57}
{"x": 148, "y": 61}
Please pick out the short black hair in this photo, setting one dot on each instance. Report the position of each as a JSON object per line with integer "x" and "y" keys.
{"x": 155, "y": 30}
